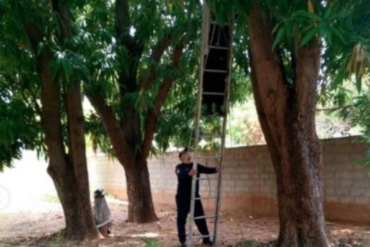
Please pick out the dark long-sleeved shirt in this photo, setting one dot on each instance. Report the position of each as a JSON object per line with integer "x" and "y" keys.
{"x": 184, "y": 180}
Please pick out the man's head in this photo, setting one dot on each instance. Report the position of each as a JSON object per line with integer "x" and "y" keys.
{"x": 185, "y": 156}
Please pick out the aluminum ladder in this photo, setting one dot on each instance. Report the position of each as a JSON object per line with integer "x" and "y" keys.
{"x": 212, "y": 102}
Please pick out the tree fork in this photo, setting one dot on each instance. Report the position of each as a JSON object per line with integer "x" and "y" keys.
{"x": 69, "y": 172}
{"x": 287, "y": 114}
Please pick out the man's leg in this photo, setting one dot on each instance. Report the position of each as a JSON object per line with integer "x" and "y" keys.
{"x": 201, "y": 223}
{"x": 182, "y": 214}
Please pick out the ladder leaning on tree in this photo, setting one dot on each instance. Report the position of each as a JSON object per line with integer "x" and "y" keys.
{"x": 212, "y": 102}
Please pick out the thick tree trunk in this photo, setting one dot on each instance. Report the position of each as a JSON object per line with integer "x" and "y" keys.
{"x": 73, "y": 188}
{"x": 68, "y": 172}
{"x": 287, "y": 117}
{"x": 126, "y": 141}
{"x": 141, "y": 208}
{"x": 76, "y": 205}
{"x": 77, "y": 156}
{"x": 139, "y": 194}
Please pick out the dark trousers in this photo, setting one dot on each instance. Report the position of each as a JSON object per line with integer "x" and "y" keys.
{"x": 183, "y": 209}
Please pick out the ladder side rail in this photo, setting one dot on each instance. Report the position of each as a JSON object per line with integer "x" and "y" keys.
{"x": 204, "y": 47}
{"x": 227, "y": 98}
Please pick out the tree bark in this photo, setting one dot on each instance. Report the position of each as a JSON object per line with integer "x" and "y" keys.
{"x": 131, "y": 148}
{"x": 77, "y": 163}
{"x": 287, "y": 117}
{"x": 141, "y": 208}
{"x": 68, "y": 171}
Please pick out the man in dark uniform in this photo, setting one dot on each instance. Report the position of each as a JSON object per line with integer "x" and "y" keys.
{"x": 185, "y": 172}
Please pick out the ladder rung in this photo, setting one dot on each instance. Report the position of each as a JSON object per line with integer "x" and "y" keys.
{"x": 205, "y": 217}
{"x": 206, "y": 198}
{"x": 216, "y": 71}
{"x": 210, "y": 93}
{"x": 219, "y": 47}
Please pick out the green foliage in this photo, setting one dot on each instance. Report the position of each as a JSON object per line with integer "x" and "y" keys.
{"x": 19, "y": 124}
{"x": 96, "y": 57}
{"x": 20, "y": 84}
{"x": 150, "y": 22}
{"x": 357, "y": 112}
{"x": 107, "y": 57}
{"x": 151, "y": 243}
{"x": 17, "y": 130}
{"x": 96, "y": 133}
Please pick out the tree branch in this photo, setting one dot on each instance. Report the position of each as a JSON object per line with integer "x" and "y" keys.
{"x": 50, "y": 97}
{"x": 269, "y": 89}
{"x": 334, "y": 108}
{"x": 34, "y": 99}
{"x": 112, "y": 127}
{"x": 127, "y": 82}
{"x": 122, "y": 21}
{"x": 34, "y": 36}
{"x": 61, "y": 8}
{"x": 154, "y": 114}
{"x": 155, "y": 57}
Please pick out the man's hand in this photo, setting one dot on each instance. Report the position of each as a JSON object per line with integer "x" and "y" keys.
{"x": 192, "y": 173}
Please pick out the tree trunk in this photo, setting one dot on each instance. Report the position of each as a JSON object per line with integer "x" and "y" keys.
{"x": 73, "y": 188}
{"x": 68, "y": 172}
{"x": 139, "y": 194}
{"x": 76, "y": 205}
{"x": 77, "y": 156}
{"x": 126, "y": 142}
{"x": 287, "y": 117}
{"x": 141, "y": 208}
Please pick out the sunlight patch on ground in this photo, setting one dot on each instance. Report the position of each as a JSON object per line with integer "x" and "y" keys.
{"x": 145, "y": 235}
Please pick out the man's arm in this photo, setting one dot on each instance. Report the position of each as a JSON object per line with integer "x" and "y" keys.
{"x": 206, "y": 170}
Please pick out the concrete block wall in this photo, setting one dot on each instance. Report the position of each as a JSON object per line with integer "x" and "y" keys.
{"x": 249, "y": 186}
{"x": 346, "y": 182}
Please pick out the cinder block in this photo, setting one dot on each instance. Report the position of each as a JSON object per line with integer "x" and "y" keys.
{"x": 341, "y": 175}
{"x": 361, "y": 183}
{"x": 332, "y": 199}
{"x": 346, "y": 199}
{"x": 362, "y": 200}
{"x": 346, "y": 182}
{"x": 357, "y": 192}
{"x": 331, "y": 182}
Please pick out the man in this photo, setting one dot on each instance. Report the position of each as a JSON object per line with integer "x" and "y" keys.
{"x": 185, "y": 172}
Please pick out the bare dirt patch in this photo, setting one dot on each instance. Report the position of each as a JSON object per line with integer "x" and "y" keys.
{"x": 39, "y": 226}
